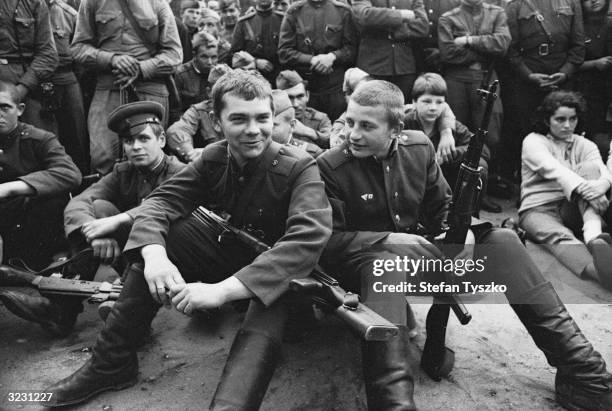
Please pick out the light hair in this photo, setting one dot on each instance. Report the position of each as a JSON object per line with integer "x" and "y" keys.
{"x": 381, "y": 93}
{"x": 241, "y": 84}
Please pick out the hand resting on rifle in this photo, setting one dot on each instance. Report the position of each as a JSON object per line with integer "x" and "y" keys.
{"x": 159, "y": 272}
{"x": 188, "y": 298}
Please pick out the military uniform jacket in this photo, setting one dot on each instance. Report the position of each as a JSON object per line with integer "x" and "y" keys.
{"x": 125, "y": 187}
{"x": 385, "y": 48}
{"x": 310, "y": 148}
{"x": 312, "y": 28}
{"x": 279, "y": 194}
{"x": 36, "y": 157}
{"x": 371, "y": 198}
{"x": 489, "y": 38}
{"x": 563, "y": 20}
{"x": 320, "y": 123}
{"x": 257, "y": 33}
{"x": 26, "y": 22}
{"x": 102, "y": 30}
{"x": 63, "y": 21}
{"x": 193, "y": 87}
{"x": 435, "y": 9}
{"x": 194, "y": 129}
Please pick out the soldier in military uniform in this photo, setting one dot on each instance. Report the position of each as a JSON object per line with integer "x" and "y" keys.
{"x": 284, "y": 124}
{"x": 67, "y": 101}
{"x": 387, "y": 36}
{"x": 257, "y": 33}
{"x": 192, "y": 77}
{"x": 381, "y": 185}
{"x": 318, "y": 39}
{"x": 230, "y": 11}
{"x": 196, "y": 129}
{"x": 190, "y": 15}
{"x": 546, "y": 50}
{"x": 210, "y": 22}
{"x": 106, "y": 41}
{"x": 28, "y": 55}
{"x": 101, "y": 216}
{"x": 272, "y": 190}
{"x": 311, "y": 126}
{"x": 36, "y": 177}
{"x": 427, "y": 52}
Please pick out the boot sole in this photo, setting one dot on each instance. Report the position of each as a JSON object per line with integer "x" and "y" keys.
{"x": 120, "y": 387}
{"x": 564, "y": 401}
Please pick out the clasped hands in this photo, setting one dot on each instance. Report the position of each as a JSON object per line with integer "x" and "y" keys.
{"x": 126, "y": 69}
{"x": 323, "y": 63}
{"x": 594, "y": 192}
{"x": 545, "y": 80}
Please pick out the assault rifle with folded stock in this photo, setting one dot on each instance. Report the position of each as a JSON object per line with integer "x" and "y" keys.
{"x": 323, "y": 289}
{"x": 437, "y": 360}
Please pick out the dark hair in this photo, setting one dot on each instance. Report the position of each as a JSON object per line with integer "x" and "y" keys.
{"x": 6, "y": 87}
{"x": 429, "y": 83}
{"x": 242, "y": 84}
{"x": 381, "y": 93}
{"x": 551, "y": 104}
{"x": 157, "y": 129}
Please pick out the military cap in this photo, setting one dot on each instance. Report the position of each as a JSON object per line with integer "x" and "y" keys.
{"x": 202, "y": 38}
{"x": 209, "y": 13}
{"x": 224, "y": 4}
{"x": 217, "y": 72}
{"x": 281, "y": 102}
{"x": 287, "y": 79}
{"x": 189, "y": 4}
{"x": 125, "y": 118}
{"x": 242, "y": 59}
{"x": 352, "y": 77}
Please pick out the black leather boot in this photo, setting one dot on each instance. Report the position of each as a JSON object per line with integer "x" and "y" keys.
{"x": 114, "y": 364}
{"x": 388, "y": 373}
{"x": 252, "y": 359}
{"x": 582, "y": 381}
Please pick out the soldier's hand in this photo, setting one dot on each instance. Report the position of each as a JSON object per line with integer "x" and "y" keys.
{"x": 103, "y": 226}
{"x": 106, "y": 249}
{"x": 555, "y": 79}
{"x": 538, "y": 78}
{"x": 600, "y": 204}
{"x": 124, "y": 80}
{"x": 416, "y": 245}
{"x": 407, "y": 15}
{"x": 127, "y": 65}
{"x": 460, "y": 41}
{"x": 603, "y": 63}
{"x": 446, "y": 148}
{"x": 468, "y": 250}
{"x": 264, "y": 65}
{"x": 187, "y": 298}
{"x": 194, "y": 154}
{"x": 323, "y": 63}
{"x": 302, "y": 130}
{"x": 159, "y": 272}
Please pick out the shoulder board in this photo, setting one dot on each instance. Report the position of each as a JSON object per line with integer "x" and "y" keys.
{"x": 413, "y": 137}
{"x": 451, "y": 12}
{"x": 215, "y": 152}
{"x": 296, "y": 6}
{"x": 250, "y": 13}
{"x": 35, "y": 133}
{"x": 336, "y": 156}
{"x": 338, "y": 3}
{"x": 67, "y": 8}
{"x": 123, "y": 166}
{"x": 286, "y": 159}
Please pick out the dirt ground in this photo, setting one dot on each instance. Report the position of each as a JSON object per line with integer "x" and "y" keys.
{"x": 497, "y": 365}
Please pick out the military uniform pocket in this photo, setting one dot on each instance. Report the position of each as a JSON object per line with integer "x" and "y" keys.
{"x": 25, "y": 26}
{"x": 333, "y": 35}
{"x": 108, "y": 25}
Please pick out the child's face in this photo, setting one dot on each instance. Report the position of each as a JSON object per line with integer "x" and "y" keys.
{"x": 429, "y": 107}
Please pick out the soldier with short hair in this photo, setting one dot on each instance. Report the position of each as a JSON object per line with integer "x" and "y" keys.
{"x": 311, "y": 125}
{"x": 319, "y": 40}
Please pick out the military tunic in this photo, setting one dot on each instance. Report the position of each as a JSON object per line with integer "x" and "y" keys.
{"x": 24, "y": 25}
{"x": 257, "y": 33}
{"x": 103, "y": 31}
{"x": 125, "y": 187}
{"x": 278, "y": 195}
{"x": 317, "y": 121}
{"x": 310, "y": 148}
{"x": 311, "y": 28}
{"x": 192, "y": 85}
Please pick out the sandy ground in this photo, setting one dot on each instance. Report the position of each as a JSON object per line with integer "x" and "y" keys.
{"x": 497, "y": 365}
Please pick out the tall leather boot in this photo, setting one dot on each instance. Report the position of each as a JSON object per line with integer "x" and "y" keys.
{"x": 114, "y": 364}
{"x": 388, "y": 373}
{"x": 582, "y": 381}
{"x": 252, "y": 359}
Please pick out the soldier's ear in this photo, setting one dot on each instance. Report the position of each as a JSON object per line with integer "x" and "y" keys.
{"x": 292, "y": 123}
{"x": 162, "y": 139}
{"x": 398, "y": 128}
{"x": 216, "y": 122}
{"x": 20, "y": 109}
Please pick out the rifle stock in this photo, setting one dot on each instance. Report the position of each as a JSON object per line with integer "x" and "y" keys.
{"x": 323, "y": 289}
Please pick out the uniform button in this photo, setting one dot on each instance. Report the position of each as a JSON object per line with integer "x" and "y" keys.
{"x": 240, "y": 180}
{"x": 395, "y": 195}
{"x": 430, "y": 11}
{"x": 397, "y": 218}
{"x": 431, "y": 24}
{"x": 388, "y": 169}
{"x": 274, "y": 163}
{"x": 392, "y": 45}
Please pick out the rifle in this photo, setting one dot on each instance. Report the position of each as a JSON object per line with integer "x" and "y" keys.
{"x": 94, "y": 291}
{"x": 437, "y": 360}
{"x": 323, "y": 289}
